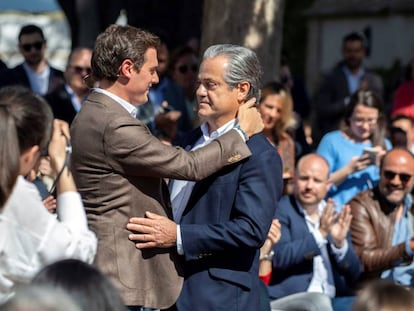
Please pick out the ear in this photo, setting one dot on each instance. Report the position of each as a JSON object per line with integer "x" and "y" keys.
{"x": 28, "y": 159}
{"x": 127, "y": 67}
{"x": 243, "y": 89}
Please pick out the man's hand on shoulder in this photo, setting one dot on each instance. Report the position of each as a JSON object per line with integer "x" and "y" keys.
{"x": 249, "y": 118}
{"x": 152, "y": 231}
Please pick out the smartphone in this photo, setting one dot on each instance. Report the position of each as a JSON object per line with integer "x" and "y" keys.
{"x": 371, "y": 152}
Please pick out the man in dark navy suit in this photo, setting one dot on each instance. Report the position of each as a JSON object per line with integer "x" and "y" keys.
{"x": 314, "y": 253}
{"x": 34, "y": 73}
{"x": 66, "y": 100}
{"x": 224, "y": 219}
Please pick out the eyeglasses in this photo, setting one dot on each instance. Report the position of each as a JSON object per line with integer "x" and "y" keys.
{"x": 27, "y": 47}
{"x": 80, "y": 70}
{"x": 184, "y": 68}
{"x": 360, "y": 121}
{"x": 390, "y": 175}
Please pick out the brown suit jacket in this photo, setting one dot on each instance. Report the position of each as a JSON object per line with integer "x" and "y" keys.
{"x": 119, "y": 168}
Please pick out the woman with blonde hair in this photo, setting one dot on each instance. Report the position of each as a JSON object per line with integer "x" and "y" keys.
{"x": 276, "y": 108}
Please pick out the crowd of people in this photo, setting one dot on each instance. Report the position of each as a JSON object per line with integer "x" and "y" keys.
{"x": 148, "y": 179}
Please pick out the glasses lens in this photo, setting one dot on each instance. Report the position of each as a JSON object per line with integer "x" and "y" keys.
{"x": 183, "y": 69}
{"x": 80, "y": 70}
{"x": 28, "y": 46}
{"x": 391, "y": 175}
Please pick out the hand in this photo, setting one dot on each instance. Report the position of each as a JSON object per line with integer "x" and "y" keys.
{"x": 327, "y": 218}
{"x": 359, "y": 163}
{"x": 249, "y": 118}
{"x": 50, "y": 203}
{"x": 341, "y": 227}
{"x": 167, "y": 123}
{"x": 57, "y": 145}
{"x": 272, "y": 238}
{"x": 45, "y": 168}
{"x": 153, "y": 231}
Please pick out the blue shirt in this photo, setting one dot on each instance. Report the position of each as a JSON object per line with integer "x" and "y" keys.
{"x": 338, "y": 151}
{"x": 402, "y": 274}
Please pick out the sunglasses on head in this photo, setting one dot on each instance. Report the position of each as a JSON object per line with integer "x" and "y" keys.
{"x": 390, "y": 175}
{"x": 80, "y": 70}
{"x": 28, "y": 46}
{"x": 184, "y": 68}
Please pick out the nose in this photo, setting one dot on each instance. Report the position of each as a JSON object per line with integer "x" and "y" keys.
{"x": 201, "y": 90}
{"x": 155, "y": 78}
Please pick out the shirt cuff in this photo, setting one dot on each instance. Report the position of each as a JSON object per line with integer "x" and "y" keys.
{"x": 320, "y": 240}
{"x": 180, "y": 249}
{"x": 241, "y": 133}
{"x": 340, "y": 252}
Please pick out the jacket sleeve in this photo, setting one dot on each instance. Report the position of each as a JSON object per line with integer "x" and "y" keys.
{"x": 132, "y": 150}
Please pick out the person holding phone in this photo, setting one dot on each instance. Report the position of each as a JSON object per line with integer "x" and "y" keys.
{"x": 353, "y": 170}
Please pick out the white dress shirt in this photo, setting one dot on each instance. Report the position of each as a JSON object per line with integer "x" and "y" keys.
{"x": 129, "y": 107}
{"x": 322, "y": 279}
{"x": 31, "y": 237}
{"x": 181, "y": 189}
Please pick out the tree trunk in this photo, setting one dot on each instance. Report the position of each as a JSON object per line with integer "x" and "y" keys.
{"x": 256, "y": 24}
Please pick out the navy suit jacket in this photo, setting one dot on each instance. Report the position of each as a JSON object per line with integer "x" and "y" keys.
{"x": 294, "y": 253}
{"x": 225, "y": 223}
{"x": 61, "y": 103}
{"x": 18, "y": 76}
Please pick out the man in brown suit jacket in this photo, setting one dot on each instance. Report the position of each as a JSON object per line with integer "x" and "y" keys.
{"x": 119, "y": 166}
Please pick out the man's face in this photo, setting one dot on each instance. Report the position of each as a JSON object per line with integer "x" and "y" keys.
{"x": 142, "y": 80}
{"x": 32, "y": 47}
{"x": 353, "y": 53}
{"x": 311, "y": 181}
{"x": 217, "y": 102}
{"x": 396, "y": 179}
{"x": 407, "y": 127}
{"x": 185, "y": 72}
{"x": 78, "y": 67}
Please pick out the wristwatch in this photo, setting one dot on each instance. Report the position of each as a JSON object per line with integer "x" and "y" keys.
{"x": 268, "y": 256}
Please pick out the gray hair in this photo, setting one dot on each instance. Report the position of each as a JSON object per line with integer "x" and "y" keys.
{"x": 243, "y": 66}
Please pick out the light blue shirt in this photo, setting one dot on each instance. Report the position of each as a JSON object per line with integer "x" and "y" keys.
{"x": 322, "y": 278}
{"x": 128, "y": 107}
{"x": 73, "y": 98}
{"x": 338, "y": 151}
{"x": 354, "y": 80}
{"x": 402, "y": 274}
{"x": 181, "y": 189}
{"x": 39, "y": 81}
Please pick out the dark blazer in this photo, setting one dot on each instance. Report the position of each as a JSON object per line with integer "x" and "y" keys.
{"x": 225, "y": 223}
{"x": 294, "y": 253}
{"x": 18, "y": 76}
{"x": 61, "y": 103}
{"x": 118, "y": 166}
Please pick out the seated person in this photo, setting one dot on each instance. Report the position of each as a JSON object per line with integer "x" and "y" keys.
{"x": 381, "y": 221}
{"x": 314, "y": 253}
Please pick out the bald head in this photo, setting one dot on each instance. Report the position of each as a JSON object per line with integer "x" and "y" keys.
{"x": 313, "y": 159}
{"x": 311, "y": 180}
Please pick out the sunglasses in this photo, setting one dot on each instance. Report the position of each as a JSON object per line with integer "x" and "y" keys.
{"x": 184, "y": 68}
{"x": 80, "y": 70}
{"x": 28, "y": 46}
{"x": 390, "y": 175}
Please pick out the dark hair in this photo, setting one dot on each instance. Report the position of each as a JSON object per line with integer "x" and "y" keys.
{"x": 84, "y": 283}
{"x": 176, "y": 55}
{"x": 384, "y": 295}
{"x": 116, "y": 44}
{"x": 399, "y": 117}
{"x": 30, "y": 29}
{"x": 31, "y": 114}
{"x": 371, "y": 100}
{"x": 353, "y": 36}
{"x": 9, "y": 149}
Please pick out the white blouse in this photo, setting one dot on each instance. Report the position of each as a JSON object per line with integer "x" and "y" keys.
{"x": 31, "y": 237}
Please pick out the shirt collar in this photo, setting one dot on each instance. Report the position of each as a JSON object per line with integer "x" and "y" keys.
{"x": 220, "y": 131}
{"x": 129, "y": 107}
